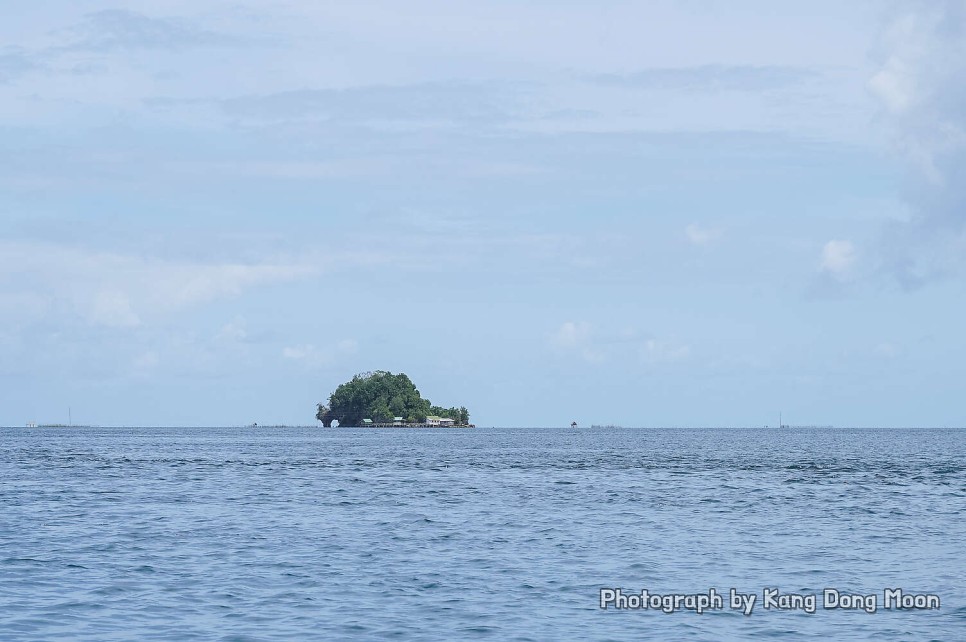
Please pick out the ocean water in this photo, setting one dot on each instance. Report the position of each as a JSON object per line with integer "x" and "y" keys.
{"x": 409, "y": 534}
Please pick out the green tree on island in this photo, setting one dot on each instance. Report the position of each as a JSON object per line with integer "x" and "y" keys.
{"x": 382, "y": 396}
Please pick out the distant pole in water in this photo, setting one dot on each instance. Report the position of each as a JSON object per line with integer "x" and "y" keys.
{"x": 70, "y": 420}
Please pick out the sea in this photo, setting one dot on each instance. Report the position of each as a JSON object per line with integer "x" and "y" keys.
{"x": 482, "y": 533}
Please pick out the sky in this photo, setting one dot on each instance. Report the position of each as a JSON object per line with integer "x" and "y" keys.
{"x": 690, "y": 213}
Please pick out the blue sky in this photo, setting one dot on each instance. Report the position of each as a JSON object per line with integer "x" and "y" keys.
{"x": 647, "y": 214}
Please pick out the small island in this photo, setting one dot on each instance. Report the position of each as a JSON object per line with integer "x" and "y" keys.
{"x": 380, "y": 399}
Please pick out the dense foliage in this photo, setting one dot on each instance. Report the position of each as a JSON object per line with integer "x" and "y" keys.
{"x": 381, "y": 396}
{"x": 461, "y": 414}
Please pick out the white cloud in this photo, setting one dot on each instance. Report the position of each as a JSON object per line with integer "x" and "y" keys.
{"x": 180, "y": 285}
{"x": 893, "y": 85}
{"x": 123, "y": 291}
{"x": 233, "y": 331}
{"x": 579, "y": 338}
{"x": 575, "y": 337}
{"x": 570, "y": 334}
{"x": 917, "y": 82}
{"x": 886, "y": 349}
{"x": 112, "y": 308}
{"x": 314, "y": 357}
{"x": 700, "y": 235}
{"x": 896, "y": 82}
{"x": 298, "y": 352}
{"x": 347, "y": 346}
{"x": 112, "y": 29}
{"x": 838, "y": 258}
{"x": 653, "y": 351}
{"x": 922, "y": 63}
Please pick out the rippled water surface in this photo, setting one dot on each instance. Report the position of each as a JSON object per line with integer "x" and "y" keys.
{"x": 305, "y": 533}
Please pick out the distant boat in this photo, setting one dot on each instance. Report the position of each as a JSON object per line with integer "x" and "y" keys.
{"x": 573, "y": 424}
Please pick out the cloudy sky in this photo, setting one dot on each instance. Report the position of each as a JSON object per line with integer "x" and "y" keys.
{"x": 641, "y": 213}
